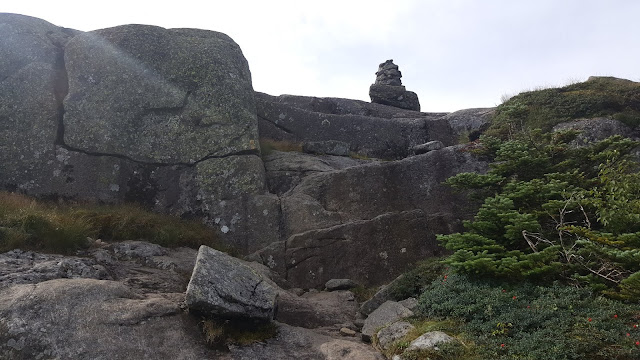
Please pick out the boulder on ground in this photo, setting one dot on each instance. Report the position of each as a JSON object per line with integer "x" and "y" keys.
{"x": 592, "y": 130}
{"x": 393, "y": 332}
{"x": 386, "y": 314}
{"x": 430, "y": 340}
{"x": 222, "y": 286}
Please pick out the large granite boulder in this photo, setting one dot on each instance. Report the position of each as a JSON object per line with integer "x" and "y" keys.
{"x": 371, "y": 130}
{"x": 223, "y": 287}
{"x": 158, "y": 95}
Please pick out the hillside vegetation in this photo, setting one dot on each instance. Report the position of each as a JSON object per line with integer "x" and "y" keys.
{"x": 543, "y": 109}
{"x": 549, "y": 267}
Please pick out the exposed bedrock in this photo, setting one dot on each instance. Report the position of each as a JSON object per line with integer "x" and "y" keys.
{"x": 372, "y": 130}
{"x": 369, "y": 222}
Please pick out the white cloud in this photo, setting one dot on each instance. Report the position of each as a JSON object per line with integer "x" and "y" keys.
{"x": 453, "y": 53}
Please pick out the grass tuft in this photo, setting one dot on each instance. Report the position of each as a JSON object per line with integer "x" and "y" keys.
{"x": 29, "y": 224}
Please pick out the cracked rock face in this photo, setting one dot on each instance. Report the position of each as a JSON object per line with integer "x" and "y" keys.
{"x": 158, "y": 95}
{"x": 222, "y": 286}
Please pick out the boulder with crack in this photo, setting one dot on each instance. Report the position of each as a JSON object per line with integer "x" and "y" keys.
{"x": 221, "y": 286}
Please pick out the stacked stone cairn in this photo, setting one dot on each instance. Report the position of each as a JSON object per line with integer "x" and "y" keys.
{"x": 388, "y": 89}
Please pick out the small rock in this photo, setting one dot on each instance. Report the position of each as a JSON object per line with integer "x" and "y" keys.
{"x": 359, "y": 323}
{"x": 340, "y": 284}
{"x": 347, "y": 332}
{"x": 393, "y": 332}
{"x": 410, "y": 303}
{"x": 386, "y": 314}
{"x": 430, "y": 340}
{"x": 396, "y": 357}
{"x": 297, "y": 291}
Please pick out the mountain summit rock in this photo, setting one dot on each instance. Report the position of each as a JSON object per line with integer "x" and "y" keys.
{"x": 388, "y": 89}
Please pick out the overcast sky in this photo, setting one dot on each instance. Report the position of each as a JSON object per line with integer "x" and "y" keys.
{"x": 454, "y": 54}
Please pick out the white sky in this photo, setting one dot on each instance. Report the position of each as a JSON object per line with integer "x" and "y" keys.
{"x": 454, "y": 54}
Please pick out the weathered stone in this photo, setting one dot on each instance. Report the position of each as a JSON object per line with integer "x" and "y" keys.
{"x": 95, "y": 319}
{"x": 300, "y": 343}
{"x": 393, "y": 332}
{"x": 32, "y": 86}
{"x": 364, "y": 192}
{"x": 388, "y": 89}
{"x": 369, "y": 130}
{"x": 329, "y": 147}
{"x": 159, "y": 96}
{"x": 426, "y": 147}
{"x": 593, "y": 130}
{"x": 331, "y": 216}
{"x": 469, "y": 124}
{"x": 396, "y": 96}
{"x": 410, "y": 303}
{"x": 26, "y": 267}
{"x": 340, "y": 284}
{"x": 347, "y": 332}
{"x": 386, "y": 314}
{"x": 380, "y": 297}
{"x": 430, "y": 340}
{"x": 285, "y": 170}
{"x": 224, "y": 287}
{"x": 313, "y": 310}
{"x": 388, "y": 74}
{"x": 316, "y": 256}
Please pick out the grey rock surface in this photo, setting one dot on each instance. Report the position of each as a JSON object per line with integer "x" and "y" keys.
{"x": 426, "y": 147}
{"x": 380, "y": 297}
{"x": 329, "y": 147}
{"x": 313, "y": 310}
{"x": 27, "y": 267}
{"x": 388, "y": 89}
{"x": 158, "y": 95}
{"x": 329, "y": 217}
{"x": 316, "y": 256}
{"x": 224, "y": 287}
{"x": 94, "y": 319}
{"x": 340, "y": 284}
{"x": 31, "y": 90}
{"x": 596, "y": 129}
{"x": 370, "y": 130}
{"x": 410, "y": 303}
{"x": 430, "y": 340}
{"x": 386, "y": 314}
{"x": 393, "y": 332}
{"x": 396, "y": 96}
{"x": 469, "y": 124}
{"x": 285, "y": 170}
{"x": 298, "y": 343}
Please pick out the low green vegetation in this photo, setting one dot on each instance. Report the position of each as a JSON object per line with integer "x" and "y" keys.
{"x": 267, "y": 146}
{"x": 549, "y": 267}
{"x": 542, "y": 109}
{"x": 30, "y": 224}
{"x": 529, "y": 321}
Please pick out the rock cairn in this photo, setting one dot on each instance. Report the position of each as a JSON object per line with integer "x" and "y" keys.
{"x": 388, "y": 89}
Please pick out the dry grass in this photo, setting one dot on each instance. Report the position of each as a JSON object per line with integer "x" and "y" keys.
{"x": 36, "y": 225}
